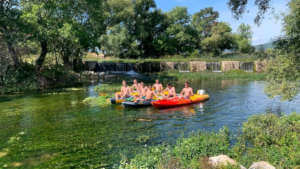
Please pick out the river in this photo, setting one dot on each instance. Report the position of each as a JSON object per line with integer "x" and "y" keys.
{"x": 57, "y": 130}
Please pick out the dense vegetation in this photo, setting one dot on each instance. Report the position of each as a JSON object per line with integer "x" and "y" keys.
{"x": 263, "y": 138}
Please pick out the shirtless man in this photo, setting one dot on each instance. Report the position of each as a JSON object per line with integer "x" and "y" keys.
{"x": 135, "y": 85}
{"x": 158, "y": 87}
{"x": 149, "y": 94}
{"x": 171, "y": 91}
{"x": 125, "y": 90}
{"x": 187, "y": 91}
{"x": 141, "y": 88}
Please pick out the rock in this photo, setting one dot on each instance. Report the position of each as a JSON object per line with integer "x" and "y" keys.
{"x": 260, "y": 65}
{"x": 222, "y": 160}
{"x": 197, "y": 66}
{"x": 261, "y": 165}
{"x": 166, "y": 66}
{"x": 230, "y": 65}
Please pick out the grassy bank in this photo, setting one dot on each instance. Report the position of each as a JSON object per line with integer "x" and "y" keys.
{"x": 235, "y": 74}
{"x": 264, "y": 138}
{"x": 176, "y": 58}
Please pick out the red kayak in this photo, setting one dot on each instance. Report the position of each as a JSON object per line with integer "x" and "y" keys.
{"x": 175, "y": 102}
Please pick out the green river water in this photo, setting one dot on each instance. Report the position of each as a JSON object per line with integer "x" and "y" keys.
{"x": 56, "y": 130}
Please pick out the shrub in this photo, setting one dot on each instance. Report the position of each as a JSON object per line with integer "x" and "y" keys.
{"x": 264, "y": 138}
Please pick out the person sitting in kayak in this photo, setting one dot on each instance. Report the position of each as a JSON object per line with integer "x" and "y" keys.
{"x": 171, "y": 92}
{"x": 187, "y": 91}
{"x": 135, "y": 85}
{"x": 149, "y": 94}
{"x": 141, "y": 89}
{"x": 158, "y": 87}
{"x": 125, "y": 91}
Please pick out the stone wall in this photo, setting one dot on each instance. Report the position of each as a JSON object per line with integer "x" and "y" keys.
{"x": 230, "y": 65}
{"x": 197, "y": 66}
{"x": 193, "y": 66}
{"x": 260, "y": 65}
{"x": 166, "y": 66}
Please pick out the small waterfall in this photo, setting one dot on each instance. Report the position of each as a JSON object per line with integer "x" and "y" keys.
{"x": 182, "y": 67}
{"x": 247, "y": 66}
{"x": 214, "y": 66}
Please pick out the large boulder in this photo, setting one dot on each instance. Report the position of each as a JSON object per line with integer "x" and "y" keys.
{"x": 230, "y": 65}
{"x": 197, "y": 66}
{"x": 261, "y": 165}
{"x": 222, "y": 160}
{"x": 260, "y": 65}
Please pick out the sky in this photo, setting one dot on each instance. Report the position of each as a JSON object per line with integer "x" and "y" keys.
{"x": 269, "y": 29}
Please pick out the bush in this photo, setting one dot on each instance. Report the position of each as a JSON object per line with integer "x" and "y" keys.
{"x": 264, "y": 138}
{"x": 270, "y": 138}
{"x": 184, "y": 154}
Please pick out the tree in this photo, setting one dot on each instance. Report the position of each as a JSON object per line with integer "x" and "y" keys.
{"x": 284, "y": 70}
{"x": 221, "y": 38}
{"x": 180, "y": 37}
{"x": 65, "y": 26}
{"x": 245, "y": 31}
{"x": 204, "y": 20}
{"x": 243, "y": 39}
{"x": 117, "y": 42}
{"x": 238, "y": 7}
{"x": 10, "y": 25}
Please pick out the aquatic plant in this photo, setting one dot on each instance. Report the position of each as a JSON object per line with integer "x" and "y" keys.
{"x": 107, "y": 88}
{"x": 97, "y": 101}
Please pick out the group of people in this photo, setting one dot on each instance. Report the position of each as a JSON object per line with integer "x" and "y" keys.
{"x": 142, "y": 92}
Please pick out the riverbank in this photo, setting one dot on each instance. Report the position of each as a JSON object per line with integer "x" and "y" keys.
{"x": 27, "y": 79}
{"x": 264, "y": 138}
{"x": 195, "y": 76}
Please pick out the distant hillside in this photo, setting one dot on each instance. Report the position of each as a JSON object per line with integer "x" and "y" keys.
{"x": 264, "y": 46}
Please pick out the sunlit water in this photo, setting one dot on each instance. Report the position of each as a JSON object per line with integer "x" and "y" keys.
{"x": 58, "y": 130}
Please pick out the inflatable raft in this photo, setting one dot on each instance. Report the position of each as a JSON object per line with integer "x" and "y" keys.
{"x": 175, "y": 102}
{"x": 114, "y": 101}
{"x": 137, "y": 104}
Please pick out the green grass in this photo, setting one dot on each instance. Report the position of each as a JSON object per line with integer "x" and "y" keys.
{"x": 234, "y": 74}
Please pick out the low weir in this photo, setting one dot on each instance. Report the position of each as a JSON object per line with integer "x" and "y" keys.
{"x": 192, "y": 66}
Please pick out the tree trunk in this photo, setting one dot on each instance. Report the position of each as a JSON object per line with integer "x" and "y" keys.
{"x": 39, "y": 62}
{"x": 13, "y": 54}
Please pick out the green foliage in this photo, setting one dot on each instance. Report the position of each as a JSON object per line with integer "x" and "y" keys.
{"x": 243, "y": 39}
{"x": 270, "y": 138}
{"x": 283, "y": 77}
{"x": 107, "y": 88}
{"x": 264, "y": 137}
{"x": 220, "y": 39}
{"x": 283, "y": 71}
{"x": 184, "y": 153}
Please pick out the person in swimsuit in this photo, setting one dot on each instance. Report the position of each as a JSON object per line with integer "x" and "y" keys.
{"x": 135, "y": 85}
{"x": 158, "y": 87}
{"x": 149, "y": 94}
{"x": 171, "y": 91}
{"x": 187, "y": 91}
{"x": 125, "y": 91}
